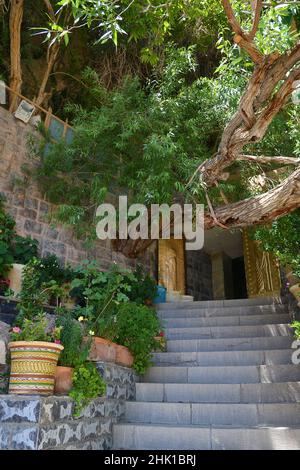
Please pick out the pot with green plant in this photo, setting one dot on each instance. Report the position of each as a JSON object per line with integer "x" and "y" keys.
{"x": 101, "y": 294}
{"x": 74, "y": 354}
{"x": 137, "y": 327}
{"x": 34, "y": 349}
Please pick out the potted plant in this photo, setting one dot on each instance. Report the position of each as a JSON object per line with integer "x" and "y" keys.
{"x": 101, "y": 293}
{"x": 34, "y": 349}
{"x": 137, "y": 327}
{"x": 75, "y": 353}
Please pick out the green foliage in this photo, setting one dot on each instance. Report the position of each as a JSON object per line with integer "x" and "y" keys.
{"x": 24, "y": 249}
{"x": 102, "y": 292}
{"x": 49, "y": 268}
{"x": 87, "y": 384}
{"x": 13, "y": 248}
{"x": 296, "y": 326}
{"x": 149, "y": 143}
{"x": 143, "y": 288}
{"x": 136, "y": 327}
{"x": 7, "y": 232}
{"x": 75, "y": 352}
{"x": 282, "y": 238}
{"x": 32, "y": 301}
{"x": 36, "y": 329}
{"x": 37, "y": 290}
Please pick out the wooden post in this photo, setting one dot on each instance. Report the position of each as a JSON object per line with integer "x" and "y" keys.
{"x": 48, "y": 117}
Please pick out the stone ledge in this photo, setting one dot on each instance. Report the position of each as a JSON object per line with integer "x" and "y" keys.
{"x": 34, "y": 423}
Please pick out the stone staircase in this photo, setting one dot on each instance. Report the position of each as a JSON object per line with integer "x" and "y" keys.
{"x": 225, "y": 382}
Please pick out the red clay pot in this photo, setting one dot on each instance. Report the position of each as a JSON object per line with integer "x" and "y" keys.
{"x": 103, "y": 350}
{"x": 63, "y": 380}
{"x": 124, "y": 356}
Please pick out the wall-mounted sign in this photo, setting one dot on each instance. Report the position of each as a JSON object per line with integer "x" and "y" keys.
{"x": 24, "y": 111}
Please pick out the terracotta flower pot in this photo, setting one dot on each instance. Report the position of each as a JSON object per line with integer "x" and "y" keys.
{"x": 124, "y": 357}
{"x": 15, "y": 277}
{"x": 33, "y": 367}
{"x": 63, "y": 380}
{"x": 103, "y": 350}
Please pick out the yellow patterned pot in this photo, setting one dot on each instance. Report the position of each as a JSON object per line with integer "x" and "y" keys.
{"x": 33, "y": 366}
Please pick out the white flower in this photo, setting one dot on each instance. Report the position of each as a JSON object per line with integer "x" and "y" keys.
{"x": 81, "y": 318}
{"x": 91, "y": 333}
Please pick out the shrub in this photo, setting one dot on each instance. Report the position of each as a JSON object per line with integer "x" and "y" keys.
{"x": 136, "y": 328}
{"x": 143, "y": 289}
{"x": 87, "y": 384}
{"x": 101, "y": 293}
{"x": 296, "y": 326}
{"x": 24, "y": 249}
{"x": 74, "y": 353}
{"x": 36, "y": 329}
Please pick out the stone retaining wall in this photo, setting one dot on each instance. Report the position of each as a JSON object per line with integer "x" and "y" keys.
{"x": 36, "y": 423}
{"x": 30, "y": 209}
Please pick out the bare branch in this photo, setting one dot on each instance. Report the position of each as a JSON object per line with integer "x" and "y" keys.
{"x": 50, "y": 10}
{"x": 260, "y": 209}
{"x": 231, "y": 18}
{"x": 242, "y": 38}
{"x": 257, "y": 12}
{"x": 277, "y": 160}
{"x": 249, "y": 47}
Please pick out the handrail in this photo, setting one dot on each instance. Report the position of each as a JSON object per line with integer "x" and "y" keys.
{"x": 43, "y": 110}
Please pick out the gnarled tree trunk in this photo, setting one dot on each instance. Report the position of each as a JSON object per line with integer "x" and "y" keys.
{"x": 15, "y": 23}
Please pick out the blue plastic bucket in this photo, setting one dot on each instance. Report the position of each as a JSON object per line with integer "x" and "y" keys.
{"x": 161, "y": 295}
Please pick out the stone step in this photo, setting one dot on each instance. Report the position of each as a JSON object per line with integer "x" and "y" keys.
{"x": 245, "y": 331}
{"x": 205, "y": 414}
{"x": 152, "y": 437}
{"x": 229, "y": 344}
{"x": 223, "y": 358}
{"x": 235, "y": 320}
{"x": 222, "y": 303}
{"x": 288, "y": 392}
{"x": 223, "y": 374}
{"x": 221, "y": 311}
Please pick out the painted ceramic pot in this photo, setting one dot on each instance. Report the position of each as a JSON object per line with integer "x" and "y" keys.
{"x": 33, "y": 367}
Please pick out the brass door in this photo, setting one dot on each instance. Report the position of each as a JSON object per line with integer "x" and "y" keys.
{"x": 171, "y": 268}
{"x": 262, "y": 270}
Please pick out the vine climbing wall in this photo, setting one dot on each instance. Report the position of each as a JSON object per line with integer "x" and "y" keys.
{"x": 30, "y": 210}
